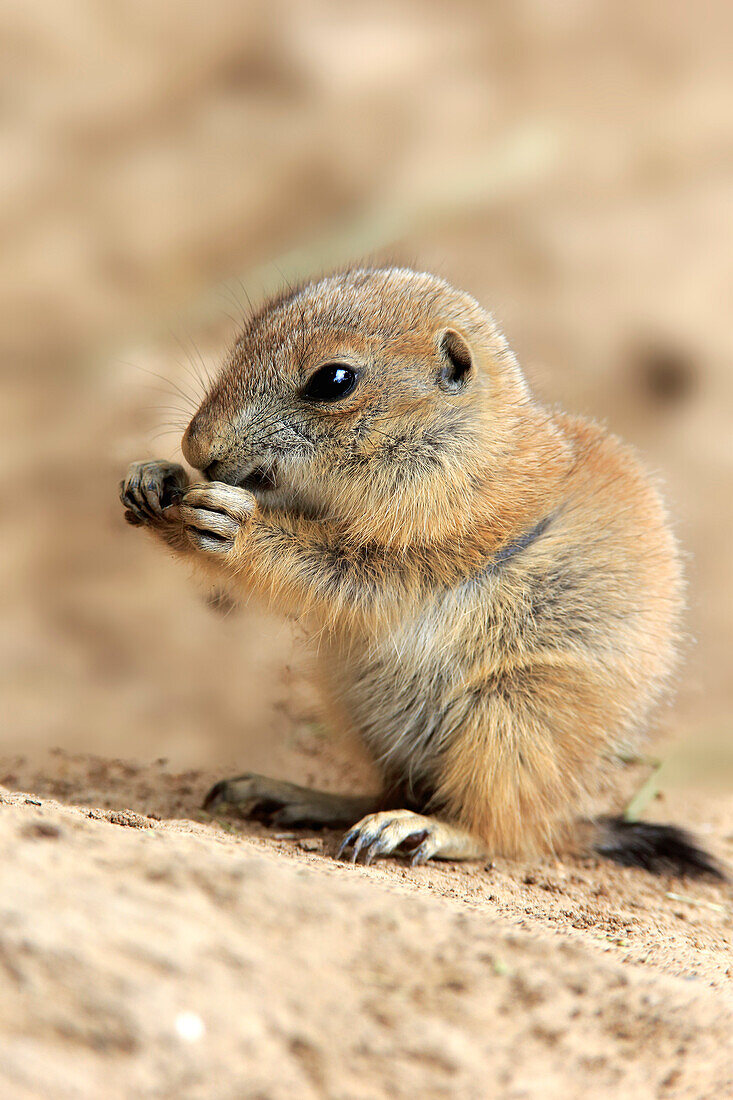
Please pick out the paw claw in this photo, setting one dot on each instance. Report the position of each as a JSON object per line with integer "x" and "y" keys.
{"x": 422, "y": 854}
{"x": 348, "y": 839}
{"x": 358, "y": 845}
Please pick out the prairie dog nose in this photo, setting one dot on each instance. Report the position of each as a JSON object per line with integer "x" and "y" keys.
{"x": 197, "y": 444}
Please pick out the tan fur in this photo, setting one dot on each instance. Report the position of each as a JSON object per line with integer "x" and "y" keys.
{"x": 491, "y": 695}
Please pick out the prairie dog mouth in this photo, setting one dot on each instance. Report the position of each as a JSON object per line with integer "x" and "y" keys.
{"x": 259, "y": 479}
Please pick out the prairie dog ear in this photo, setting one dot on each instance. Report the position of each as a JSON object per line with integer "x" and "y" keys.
{"x": 456, "y": 362}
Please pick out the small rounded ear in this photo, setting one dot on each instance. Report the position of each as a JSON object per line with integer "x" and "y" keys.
{"x": 457, "y": 365}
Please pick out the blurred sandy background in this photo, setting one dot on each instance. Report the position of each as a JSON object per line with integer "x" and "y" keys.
{"x": 569, "y": 163}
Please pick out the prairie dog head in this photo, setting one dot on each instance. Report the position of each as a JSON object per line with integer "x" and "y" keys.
{"x": 380, "y": 399}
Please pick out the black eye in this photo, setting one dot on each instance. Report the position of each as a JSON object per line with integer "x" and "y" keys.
{"x": 330, "y": 383}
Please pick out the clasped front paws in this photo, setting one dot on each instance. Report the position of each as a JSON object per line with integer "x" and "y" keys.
{"x": 207, "y": 516}
{"x": 213, "y": 514}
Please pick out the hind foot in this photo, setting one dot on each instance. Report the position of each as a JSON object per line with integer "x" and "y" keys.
{"x": 279, "y": 803}
{"x": 402, "y": 832}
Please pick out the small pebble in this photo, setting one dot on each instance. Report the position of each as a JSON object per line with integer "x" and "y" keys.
{"x": 190, "y": 1027}
{"x": 43, "y": 829}
{"x": 310, "y": 844}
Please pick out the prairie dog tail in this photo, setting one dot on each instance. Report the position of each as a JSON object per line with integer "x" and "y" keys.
{"x": 660, "y": 849}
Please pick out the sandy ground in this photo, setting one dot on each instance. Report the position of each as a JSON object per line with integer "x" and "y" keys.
{"x": 148, "y": 954}
{"x": 570, "y": 165}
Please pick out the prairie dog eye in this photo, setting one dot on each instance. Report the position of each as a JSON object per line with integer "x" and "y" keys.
{"x": 330, "y": 383}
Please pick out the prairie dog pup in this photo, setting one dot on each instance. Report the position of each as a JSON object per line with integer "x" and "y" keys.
{"x": 494, "y": 587}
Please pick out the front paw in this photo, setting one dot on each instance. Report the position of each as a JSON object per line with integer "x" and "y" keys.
{"x": 213, "y": 514}
{"x": 149, "y": 489}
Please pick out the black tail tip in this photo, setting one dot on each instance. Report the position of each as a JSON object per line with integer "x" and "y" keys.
{"x": 660, "y": 849}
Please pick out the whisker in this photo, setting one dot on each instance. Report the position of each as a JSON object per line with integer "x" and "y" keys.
{"x": 202, "y": 361}
{"x": 245, "y": 317}
{"x": 168, "y": 381}
{"x": 247, "y": 297}
{"x": 164, "y": 432}
{"x": 231, "y": 317}
{"x": 201, "y": 384}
